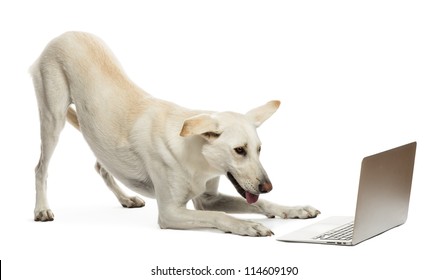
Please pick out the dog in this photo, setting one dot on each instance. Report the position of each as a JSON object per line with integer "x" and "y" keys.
{"x": 154, "y": 147}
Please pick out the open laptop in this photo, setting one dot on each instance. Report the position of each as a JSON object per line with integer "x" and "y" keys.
{"x": 383, "y": 201}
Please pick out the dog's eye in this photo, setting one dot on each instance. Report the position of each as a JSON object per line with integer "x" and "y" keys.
{"x": 240, "y": 151}
{"x": 259, "y": 149}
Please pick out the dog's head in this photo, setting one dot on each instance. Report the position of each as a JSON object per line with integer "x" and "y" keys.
{"x": 233, "y": 148}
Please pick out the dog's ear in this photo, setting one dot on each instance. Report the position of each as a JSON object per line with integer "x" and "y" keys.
{"x": 203, "y": 125}
{"x": 262, "y": 113}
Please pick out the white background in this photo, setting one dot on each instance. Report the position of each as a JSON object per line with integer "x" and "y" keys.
{"x": 354, "y": 79}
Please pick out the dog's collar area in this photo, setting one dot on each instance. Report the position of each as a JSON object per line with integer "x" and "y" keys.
{"x": 250, "y": 197}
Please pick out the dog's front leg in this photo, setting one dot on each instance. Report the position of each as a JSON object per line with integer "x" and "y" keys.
{"x": 213, "y": 200}
{"x": 173, "y": 213}
{"x": 172, "y": 197}
{"x": 174, "y": 217}
{"x": 231, "y": 204}
{"x": 286, "y": 212}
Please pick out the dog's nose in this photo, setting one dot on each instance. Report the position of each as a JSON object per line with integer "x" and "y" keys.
{"x": 265, "y": 187}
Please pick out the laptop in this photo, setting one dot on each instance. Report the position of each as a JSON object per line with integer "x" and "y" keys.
{"x": 383, "y": 201}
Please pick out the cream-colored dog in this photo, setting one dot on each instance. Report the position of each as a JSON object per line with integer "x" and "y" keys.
{"x": 156, "y": 148}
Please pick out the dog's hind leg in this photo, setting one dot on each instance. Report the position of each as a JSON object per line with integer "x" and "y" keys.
{"x": 125, "y": 200}
{"x": 53, "y": 100}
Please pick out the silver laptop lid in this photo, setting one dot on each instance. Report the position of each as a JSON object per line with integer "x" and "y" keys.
{"x": 384, "y": 191}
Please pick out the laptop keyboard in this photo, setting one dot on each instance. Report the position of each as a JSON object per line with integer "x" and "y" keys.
{"x": 342, "y": 233}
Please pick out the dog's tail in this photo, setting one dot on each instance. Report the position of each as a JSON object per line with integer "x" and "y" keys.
{"x": 72, "y": 118}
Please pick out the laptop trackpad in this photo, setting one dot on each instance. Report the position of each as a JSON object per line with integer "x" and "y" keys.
{"x": 307, "y": 234}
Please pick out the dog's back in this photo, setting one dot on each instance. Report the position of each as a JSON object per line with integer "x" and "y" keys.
{"x": 78, "y": 68}
{"x": 80, "y": 53}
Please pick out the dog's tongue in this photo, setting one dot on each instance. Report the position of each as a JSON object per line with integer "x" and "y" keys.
{"x": 251, "y": 198}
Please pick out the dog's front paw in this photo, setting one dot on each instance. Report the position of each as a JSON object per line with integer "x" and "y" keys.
{"x": 299, "y": 212}
{"x": 132, "y": 202}
{"x": 45, "y": 215}
{"x": 248, "y": 228}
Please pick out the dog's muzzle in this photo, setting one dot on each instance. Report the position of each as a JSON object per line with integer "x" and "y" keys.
{"x": 265, "y": 187}
{"x": 250, "y": 197}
